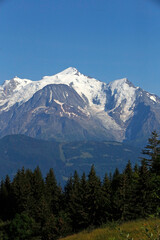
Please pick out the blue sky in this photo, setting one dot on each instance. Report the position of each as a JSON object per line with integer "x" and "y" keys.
{"x": 105, "y": 39}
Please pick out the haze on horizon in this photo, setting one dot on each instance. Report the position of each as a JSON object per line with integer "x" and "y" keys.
{"x": 107, "y": 40}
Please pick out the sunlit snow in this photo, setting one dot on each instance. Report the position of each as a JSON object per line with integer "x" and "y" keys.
{"x": 123, "y": 94}
{"x": 153, "y": 98}
{"x": 92, "y": 91}
{"x": 25, "y": 88}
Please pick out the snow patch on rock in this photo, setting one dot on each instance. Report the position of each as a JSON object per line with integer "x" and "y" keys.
{"x": 153, "y": 98}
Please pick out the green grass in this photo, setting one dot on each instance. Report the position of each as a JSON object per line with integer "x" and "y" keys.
{"x": 135, "y": 230}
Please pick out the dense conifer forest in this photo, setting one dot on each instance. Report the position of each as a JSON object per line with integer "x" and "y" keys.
{"x": 35, "y": 208}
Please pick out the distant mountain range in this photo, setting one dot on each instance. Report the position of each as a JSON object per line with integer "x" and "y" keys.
{"x": 70, "y": 106}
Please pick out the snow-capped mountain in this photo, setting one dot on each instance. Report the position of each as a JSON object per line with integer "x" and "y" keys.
{"x": 21, "y": 90}
{"x": 72, "y": 106}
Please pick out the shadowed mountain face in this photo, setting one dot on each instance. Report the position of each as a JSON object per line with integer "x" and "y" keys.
{"x": 55, "y": 112}
{"x": 17, "y": 151}
{"x": 72, "y": 107}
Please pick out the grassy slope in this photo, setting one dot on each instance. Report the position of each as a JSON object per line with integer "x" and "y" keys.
{"x": 136, "y": 230}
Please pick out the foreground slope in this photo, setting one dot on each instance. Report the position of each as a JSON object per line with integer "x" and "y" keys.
{"x": 136, "y": 230}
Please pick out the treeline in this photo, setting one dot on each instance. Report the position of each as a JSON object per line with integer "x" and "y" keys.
{"x": 35, "y": 208}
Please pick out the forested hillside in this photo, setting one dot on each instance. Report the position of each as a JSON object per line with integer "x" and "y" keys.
{"x": 32, "y": 207}
{"x": 17, "y": 151}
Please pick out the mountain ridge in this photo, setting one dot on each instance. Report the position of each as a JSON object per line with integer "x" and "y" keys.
{"x": 115, "y": 111}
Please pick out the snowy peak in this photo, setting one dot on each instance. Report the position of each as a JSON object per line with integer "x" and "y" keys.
{"x": 11, "y": 87}
{"x": 117, "y": 96}
{"x": 124, "y": 94}
{"x": 88, "y": 88}
{"x": 120, "y": 85}
{"x": 113, "y": 108}
{"x": 15, "y": 84}
{"x": 16, "y": 80}
{"x": 70, "y": 71}
{"x": 19, "y": 90}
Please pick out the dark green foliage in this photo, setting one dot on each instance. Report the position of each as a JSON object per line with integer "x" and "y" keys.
{"x": 83, "y": 198}
{"x": 35, "y": 208}
{"x": 126, "y": 189}
{"x": 144, "y": 194}
{"x": 95, "y": 198}
{"x": 73, "y": 200}
{"x": 115, "y": 195}
{"x": 52, "y": 192}
{"x": 106, "y": 197}
{"x": 152, "y": 151}
{"x": 6, "y": 199}
{"x": 49, "y": 230}
{"x": 22, "y": 191}
{"x": 155, "y": 184}
{"x": 4, "y": 230}
{"x": 21, "y": 227}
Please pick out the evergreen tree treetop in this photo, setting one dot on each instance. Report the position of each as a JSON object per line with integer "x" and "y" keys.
{"x": 152, "y": 152}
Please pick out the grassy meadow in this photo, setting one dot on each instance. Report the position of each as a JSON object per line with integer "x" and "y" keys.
{"x": 134, "y": 230}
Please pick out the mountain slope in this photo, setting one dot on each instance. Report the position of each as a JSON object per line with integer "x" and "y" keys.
{"x": 45, "y": 109}
{"x": 17, "y": 151}
{"x": 54, "y": 112}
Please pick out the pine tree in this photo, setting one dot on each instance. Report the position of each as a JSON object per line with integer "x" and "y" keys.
{"x": 115, "y": 195}
{"x": 50, "y": 230}
{"x": 106, "y": 197}
{"x": 39, "y": 209}
{"x": 152, "y": 151}
{"x": 133, "y": 200}
{"x": 155, "y": 185}
{"x": 6, "y": 200}
{"x": 74, "y": 201}
{"x": 122, "y": 194}
{"x": 83, "y": 197}
{"x": 144, "y": 193}
{"x": 21, "y": 191}
{"x": 126, "y": 186}
{"x": 52, "y": 193}
{"x": 67, "y": 192}
{"x": 95, "y": 206}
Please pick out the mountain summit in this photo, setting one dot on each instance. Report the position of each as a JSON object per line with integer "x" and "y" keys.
{"x": 71, "y": 71}
{"x": 72, "y": 106}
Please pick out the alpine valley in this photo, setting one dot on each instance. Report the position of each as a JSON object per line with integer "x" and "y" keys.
{"x": 74, "y": 109}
